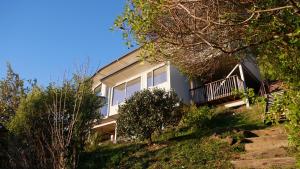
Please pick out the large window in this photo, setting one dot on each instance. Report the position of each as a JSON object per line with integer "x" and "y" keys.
{"x": 159, "y": 75}
{"x": 133, "y": 86}
{"x": 118, "y": 94}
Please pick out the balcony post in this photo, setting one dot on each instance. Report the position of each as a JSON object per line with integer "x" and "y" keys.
{"x": 244, "y": 84}
{"x": 211, "y": 92}
{"x": 115, "y": 136}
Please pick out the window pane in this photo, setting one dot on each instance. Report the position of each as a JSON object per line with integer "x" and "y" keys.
{"x": 149, "y": 79}
{"x": 97, "y": 90}
{"x": 133, "y": 86}
{"x": 160, "y": 75}
{"x": 118, "y": 94}
{"x": 103, "y": 110}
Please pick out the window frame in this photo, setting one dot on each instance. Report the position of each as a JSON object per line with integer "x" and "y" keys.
{"x": 152, "y": 73}
{"x": 113, "y": 92}
{"x": 125, "y": 90}
{"x": 99, "y": 88}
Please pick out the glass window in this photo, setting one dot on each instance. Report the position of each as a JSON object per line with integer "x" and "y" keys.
{"x": 160, "y": 75}
{"x": 118, "y": 94}
{"x": 149, "y": 79}
{"x": 104, "y": 110}
{"x": 97, "y": 90}
{"x": 133, "y": 86}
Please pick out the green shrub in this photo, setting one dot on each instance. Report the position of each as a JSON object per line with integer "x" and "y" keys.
{"x": 249, "y": 94}
{"x": 279, "y": 108}
{"x": 148, "y": 111}
{"x": 197, "y": 117}
{"x": 293, "y": 115}
{"x": 289, "y": 105}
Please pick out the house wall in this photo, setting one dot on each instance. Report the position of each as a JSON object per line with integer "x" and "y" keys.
{"x": 180, "y": 84}
{"x": 250, "y": 63}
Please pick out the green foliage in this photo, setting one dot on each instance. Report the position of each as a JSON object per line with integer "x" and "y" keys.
{"x": 54, "y": 123}
{"x": 176, "y": 153}
{"x": 197, "y": 117}
{"x": 288, "y": 105}
{"x": 12, "y": 90}
{"x": 277, "y": 110}
{"x": 148, "y": 111}
{"x": 278, "y": 57}
{"x": 293, "y": 126}
{"x": 183, "y": 146}
{"x": 249, "y": 94}
{"x": 134, "y": 23}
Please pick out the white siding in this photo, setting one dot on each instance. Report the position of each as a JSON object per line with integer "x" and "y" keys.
{"x": 180, "y": 84}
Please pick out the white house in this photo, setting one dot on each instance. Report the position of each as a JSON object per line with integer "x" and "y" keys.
{"x": 123, "y": 77}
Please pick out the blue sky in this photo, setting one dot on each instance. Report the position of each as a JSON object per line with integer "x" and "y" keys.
{"x": 43, "y": 39}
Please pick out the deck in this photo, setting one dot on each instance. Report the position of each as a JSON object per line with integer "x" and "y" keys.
{"x": 217, "y": 91}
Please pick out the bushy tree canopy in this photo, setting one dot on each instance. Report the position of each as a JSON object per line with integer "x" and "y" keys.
{"x": 199, "y": 36}
{"x": 148, "y": 111}
{"x": 54, "y": 124}
{"x": 11, "y": 91}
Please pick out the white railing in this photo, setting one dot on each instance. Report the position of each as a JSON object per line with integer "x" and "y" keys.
{"x": 217, "y": 89}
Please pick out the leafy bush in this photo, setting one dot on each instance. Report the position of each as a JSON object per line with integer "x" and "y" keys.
{"x": 197, "y": 117}
{"x": 289, "y": 105}
{"x": 148, "y": 111}
{"x": 293, "y": 115}
{"x": 53, "y": 124}
{"x": 279, "y": 108}
{"x": 250, "y": 95}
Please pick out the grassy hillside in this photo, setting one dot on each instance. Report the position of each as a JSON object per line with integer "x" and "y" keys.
{"x": 181, "y": 147}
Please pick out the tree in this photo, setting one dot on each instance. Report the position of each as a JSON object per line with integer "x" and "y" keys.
{"x": 199, "y": 36}
{"x": 54, "y": 123}
{"x": 148, "y": 111}
{"x": 12, "y": 90}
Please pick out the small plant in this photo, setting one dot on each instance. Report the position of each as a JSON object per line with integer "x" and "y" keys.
{"x": 148, "y": 111}
{"x": 250, "y": 95}
{"x": 197, "y": 117}
{"x": 278, "y": 109}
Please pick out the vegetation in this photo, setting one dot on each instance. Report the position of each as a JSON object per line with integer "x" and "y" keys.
{"x": 148, "y": 111}
{"x": 11, "y": 91}
{"x": 185, "y": 146}
{"x": 288, "y": 105}
{"x": 50, "y": 126}
{"x": 194, "y": 34}
{"x": 187, "y": 32}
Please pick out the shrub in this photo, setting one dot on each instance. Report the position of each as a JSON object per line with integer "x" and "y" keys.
{"x": 148, "y": 111}
{"x": 293, "y": 115}
{"x": 53, "y": 124}
{"x": 197, "y": 117}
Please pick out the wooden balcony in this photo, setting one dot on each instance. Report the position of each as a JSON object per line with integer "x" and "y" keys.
{"x": 219, "y": 90}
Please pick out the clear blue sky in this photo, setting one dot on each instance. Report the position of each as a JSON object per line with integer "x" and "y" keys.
{"x": 43, "y": 39}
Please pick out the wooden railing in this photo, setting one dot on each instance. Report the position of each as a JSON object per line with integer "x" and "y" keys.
{"x": 217, "y": 89}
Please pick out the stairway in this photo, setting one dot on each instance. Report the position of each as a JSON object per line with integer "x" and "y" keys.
{"x": 267, "y": 150}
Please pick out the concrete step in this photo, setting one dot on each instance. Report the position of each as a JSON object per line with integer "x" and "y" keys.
{"x": 281, "y": 162}
{"x": 266, "y": 143}
{"x": 269, "y": 131}
{"x": 260, "y": 154}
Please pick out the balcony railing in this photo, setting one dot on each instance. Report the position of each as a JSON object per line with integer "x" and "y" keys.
{"x": 217, "y": 90}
